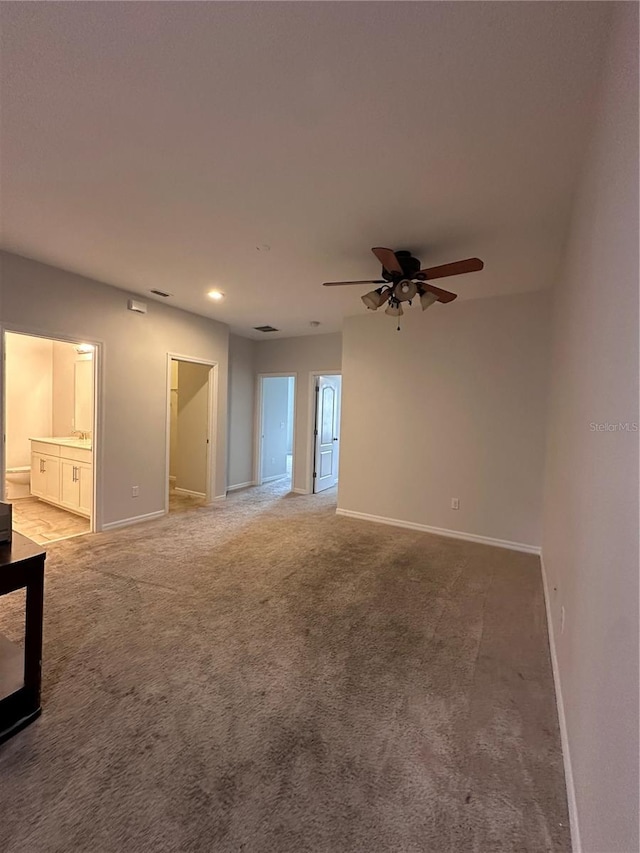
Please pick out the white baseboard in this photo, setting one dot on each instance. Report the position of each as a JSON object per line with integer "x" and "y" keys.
{"x": 576, "y": 843}
{"x": 136, "y": 519}
{"x": 190, "y": 492}
{"x": 275, "y": 477}
{"x": 441, "y": 531}
{"x": 172, "y": 480}
{"x": 240, "y": 486}
{"x": 217, "y": 498}
{"x": 300, "y": 491}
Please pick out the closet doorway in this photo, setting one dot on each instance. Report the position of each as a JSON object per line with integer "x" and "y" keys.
{"x": 190, "y": 441}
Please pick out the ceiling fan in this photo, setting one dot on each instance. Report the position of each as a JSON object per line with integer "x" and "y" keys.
{"x": 402, "y": 280}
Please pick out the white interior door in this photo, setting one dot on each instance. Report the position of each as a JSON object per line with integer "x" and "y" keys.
{"x": 327, "y": 432}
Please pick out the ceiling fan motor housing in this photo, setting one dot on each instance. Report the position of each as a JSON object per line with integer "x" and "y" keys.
{"x": 410, "y": 266}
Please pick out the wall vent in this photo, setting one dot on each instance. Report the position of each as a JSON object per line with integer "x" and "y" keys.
{"x": 160, "y": 293}
{"x": 265, "y": 329}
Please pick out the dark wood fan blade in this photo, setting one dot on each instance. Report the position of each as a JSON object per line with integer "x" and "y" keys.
{"x": 457, "y": 268}
{"x": 387, "y": 258}
{"x": 443, "y": 295}
{"x": 340, "y": 283}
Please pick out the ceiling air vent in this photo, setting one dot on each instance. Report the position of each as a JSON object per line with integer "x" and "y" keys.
{"x": 160, "y": 293}
{"x": 265, "y": 329}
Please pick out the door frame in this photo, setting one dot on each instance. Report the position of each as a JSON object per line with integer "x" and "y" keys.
{"x": 95, "y": 520}
{"x": 212, "y": 408}
{"x": 313, "y": 408}
{"x": 257, "y": 443}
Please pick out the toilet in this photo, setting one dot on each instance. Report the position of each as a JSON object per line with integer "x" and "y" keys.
{"x": 18, "y": 482}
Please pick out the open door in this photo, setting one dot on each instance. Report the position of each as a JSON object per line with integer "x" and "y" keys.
{"x": 276, "y": 428}
{"x": 327, "y": 432}
{"x": 189, "y": 422}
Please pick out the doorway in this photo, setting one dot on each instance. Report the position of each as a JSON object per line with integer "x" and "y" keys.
{"x": 49, "y": 467}
{"x": 326, "y": 432}
{"x": 189, "y": 438}
{"x": 276, "y": 412}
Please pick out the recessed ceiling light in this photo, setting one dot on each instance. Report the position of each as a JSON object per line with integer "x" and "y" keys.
{"x": 263, "y": 247}
{"x": 215, "y": 294}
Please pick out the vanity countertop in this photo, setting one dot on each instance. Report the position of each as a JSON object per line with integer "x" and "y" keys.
{"x": 63, "y": 441}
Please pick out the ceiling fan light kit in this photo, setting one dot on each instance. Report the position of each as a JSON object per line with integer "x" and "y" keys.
{"x": 375, "y": 298}
{"x": 427, "y": 299}
{"x": 402, "y": 279}
{"x": 394, "y": 309}
{"x": 405, "y": 290}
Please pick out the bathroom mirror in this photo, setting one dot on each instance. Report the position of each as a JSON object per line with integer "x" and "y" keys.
{"x": 83, "y": 397}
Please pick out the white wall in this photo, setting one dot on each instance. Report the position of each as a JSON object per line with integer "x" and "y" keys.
{"x": 452, "y": 406}
{"x": 29, "y": 392}
{"x": 302, "y": 356}
{"x": 590, "y": 533}
{"x": 134, "y": 371}
{"x": 242, "y": 395}
{"x": 275, "y": 408}
{"x": 192, "y": 422}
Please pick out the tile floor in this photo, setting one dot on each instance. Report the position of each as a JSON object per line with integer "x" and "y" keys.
{"x": 45, "y": 523}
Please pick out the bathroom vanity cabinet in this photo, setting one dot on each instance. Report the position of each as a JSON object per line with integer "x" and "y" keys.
{"x": 62, "y": 473}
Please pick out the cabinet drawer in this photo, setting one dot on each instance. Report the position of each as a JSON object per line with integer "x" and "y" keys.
{"x": 78, "y": 454}
{"x": 46, "y": 449}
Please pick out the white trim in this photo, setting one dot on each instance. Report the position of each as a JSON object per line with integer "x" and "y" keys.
{"x": 275, "y": 477}
{"x": 218, "y": 498}
{"x": 576, "y": 843}
{"x": 240, "y": 486}
{"x": 190, "y": 492}
{"x": 301, "y": 491}
{"x": 136, "y": 519}
{"x": 441, "y": 531}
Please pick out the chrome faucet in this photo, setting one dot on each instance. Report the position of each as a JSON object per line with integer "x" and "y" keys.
{"x": 83, "y": 435}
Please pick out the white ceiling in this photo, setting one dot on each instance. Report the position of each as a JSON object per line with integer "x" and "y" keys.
{"x": 157, "y": 144}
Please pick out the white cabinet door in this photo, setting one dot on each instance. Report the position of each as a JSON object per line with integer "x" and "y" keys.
{"x": 38, "y": 476}
{"x": 85, "y": 496}
{"x": 76, "y": 486}
{"x": 52, "y": 473}
{"x": 69, "y": 484}
{"x": 45, "y": 477}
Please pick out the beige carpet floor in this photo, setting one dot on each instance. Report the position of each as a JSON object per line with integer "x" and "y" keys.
{"x": 263, "y": 676}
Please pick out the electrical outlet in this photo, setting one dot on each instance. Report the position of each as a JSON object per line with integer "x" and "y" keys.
{"x": 455, "y": 503}
{"x": 134, "y": 491}
{"x": 562, "y": 614}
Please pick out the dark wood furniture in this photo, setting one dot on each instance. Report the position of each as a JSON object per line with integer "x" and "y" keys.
{"x": 21, "y": 567}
